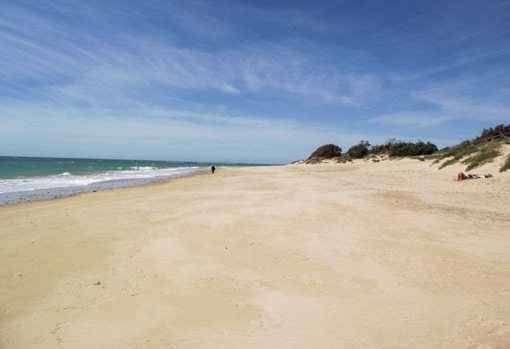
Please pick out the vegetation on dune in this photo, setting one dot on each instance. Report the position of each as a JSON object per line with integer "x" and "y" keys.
{"x": 481, "y": 150}
{"x": 393, "y": 147}
{"x": 500, "y": 132}
{"x": 506, "y": 165}
{"x": 363, "y": 149}
{"x": 360, "y": 150}
{"x": 484, "y": 156}
{"x": 455, "y": 153}
{"x": 469, "y": 154}
{"x": 327, "y": 151}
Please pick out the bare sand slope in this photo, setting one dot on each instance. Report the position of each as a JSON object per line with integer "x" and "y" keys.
{"x": 393, "y": 254}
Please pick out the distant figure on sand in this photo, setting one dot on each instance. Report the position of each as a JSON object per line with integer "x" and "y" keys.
{"x": 461, "y": 176}
{"x": 213, "y": 169}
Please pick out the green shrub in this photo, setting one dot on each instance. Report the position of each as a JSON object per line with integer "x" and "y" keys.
{"x": 395, "y": 147}
{"x": 498, "y": 132}
{"x": 411, "y": 149}
{"x": 326, "y": 151}
{"x": 359, "y": 151}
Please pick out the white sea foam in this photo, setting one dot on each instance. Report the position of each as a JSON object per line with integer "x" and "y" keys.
{"x": 67, "y": 179}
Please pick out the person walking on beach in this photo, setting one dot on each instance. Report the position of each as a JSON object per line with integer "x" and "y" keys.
{"x": 213, "y": 168}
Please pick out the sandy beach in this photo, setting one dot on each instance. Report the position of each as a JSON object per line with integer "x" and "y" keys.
{"x": 390, "y": 254}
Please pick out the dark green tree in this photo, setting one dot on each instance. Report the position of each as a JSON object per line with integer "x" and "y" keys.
{"x": 359, "y": 150}
{"x": 327, "y": 151}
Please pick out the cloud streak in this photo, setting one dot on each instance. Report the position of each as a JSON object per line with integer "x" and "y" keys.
{"x": 137, "y": 61}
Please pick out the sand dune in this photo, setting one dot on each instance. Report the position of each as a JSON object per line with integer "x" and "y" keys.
{"x": 393, "y": 254}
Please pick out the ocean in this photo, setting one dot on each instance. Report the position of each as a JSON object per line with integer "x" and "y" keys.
{"x": 32, "y": 178}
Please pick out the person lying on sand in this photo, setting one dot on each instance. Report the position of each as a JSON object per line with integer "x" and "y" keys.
{"x": 461, "y": 176}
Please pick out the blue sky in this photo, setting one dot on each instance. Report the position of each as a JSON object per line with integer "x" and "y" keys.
{"x": 247, "y": 81}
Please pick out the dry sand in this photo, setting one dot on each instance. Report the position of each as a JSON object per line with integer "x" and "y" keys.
{"x": 394, "y": 254}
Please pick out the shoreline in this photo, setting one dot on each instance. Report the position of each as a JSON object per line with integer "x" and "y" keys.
{"x": 362, "y": 255}
{"x": 19, "y": 197}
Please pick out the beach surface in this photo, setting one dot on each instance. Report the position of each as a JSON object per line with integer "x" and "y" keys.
{"x": 389, "y": 254}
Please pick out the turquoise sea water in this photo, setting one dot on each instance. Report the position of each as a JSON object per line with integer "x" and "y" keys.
{"x": 32, "y": 178}
{"x": 25, "y": 167}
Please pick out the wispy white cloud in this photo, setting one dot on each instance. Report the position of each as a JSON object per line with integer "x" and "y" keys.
{"x": 410, "y": 119}
{"x": 307, "y": 17}
{"x": 478, "y": 108}
{"x": 451, "y": 101}
{"x": 83, "y": 62}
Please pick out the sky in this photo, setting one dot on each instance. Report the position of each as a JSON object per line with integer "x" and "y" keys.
{"x": 247, "y": 81}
